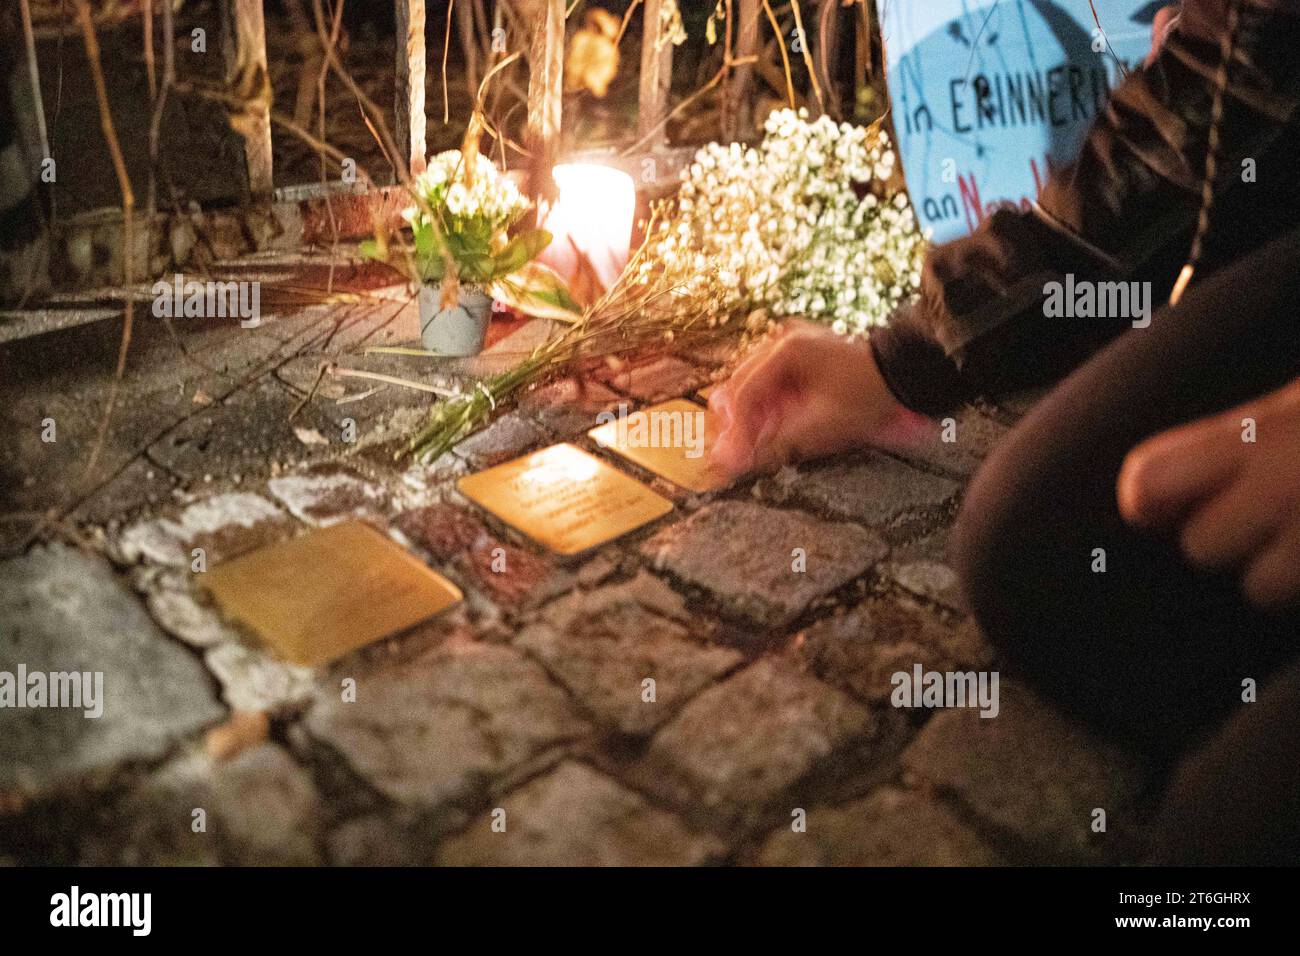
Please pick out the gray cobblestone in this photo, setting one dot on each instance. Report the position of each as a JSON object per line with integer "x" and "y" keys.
{"x": 439, "y": 729}
{"x": 744, "y": 554}
{"x": 872, "y": 490}
{"x": 575, "y": 816}
{"x": 741, "y": 744}
{"x": 603, "y": 645}
{"x": 66, "y": 612}
{"x": 1030, "y": 773}
{"x": 891, "y": 827}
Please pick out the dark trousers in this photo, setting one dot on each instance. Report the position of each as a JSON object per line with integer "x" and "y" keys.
{"x": 1151, "y": 652}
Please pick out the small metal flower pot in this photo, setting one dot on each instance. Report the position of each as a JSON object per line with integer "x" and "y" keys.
{"x": 460, "y": 330}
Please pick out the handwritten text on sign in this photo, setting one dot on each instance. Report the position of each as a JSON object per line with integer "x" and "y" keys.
{"x": 990, "y": 95}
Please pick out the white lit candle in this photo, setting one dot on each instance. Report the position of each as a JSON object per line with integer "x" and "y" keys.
{"x": 592, "y": 218}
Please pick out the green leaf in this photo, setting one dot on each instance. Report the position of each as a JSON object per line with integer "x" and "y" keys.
{"x": 535, "y": 289}
{"x": 520, "y": 251}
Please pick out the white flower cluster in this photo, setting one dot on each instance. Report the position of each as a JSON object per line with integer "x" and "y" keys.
{"x": 803, "y": 224}
{"x": 494, "y": 200}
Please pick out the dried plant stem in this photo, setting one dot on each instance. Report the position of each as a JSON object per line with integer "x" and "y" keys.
{"x": 324, "y": 178}
{"x": 684, "y": 104}
{"x": 146, "y": 16}
{"x": 128, "y": 223}
{"x": 785, "y": 57}
{"x": 393, "y": 380}
{"x": 159, "y": 104}
{"x": 807, "y": 55}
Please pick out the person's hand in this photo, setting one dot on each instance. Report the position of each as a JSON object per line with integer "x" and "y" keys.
{"x": 1235, "y": 503}
{"x": 807, "y": 392}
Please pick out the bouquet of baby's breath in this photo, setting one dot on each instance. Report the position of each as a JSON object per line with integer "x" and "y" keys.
{"x": 644, "y": 307}
{"x": 811, "y": 222}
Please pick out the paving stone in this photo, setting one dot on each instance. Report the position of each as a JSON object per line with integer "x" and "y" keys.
{"x": 643, "y": 589}
{"x": 511, "y": 574}
{"x": 259, "y": 809}
{"x": 891, "y": 827}
{"x": 575, "y": 816}
{"x": 36, "y": 475}
{"x": 873, "y": 491}
{"x": 508, "y": 437}
{"x": 569, "y": 406}
{"x": 139, "y": 486}
{"x": 924, "y": 568}
{"x": 656, "y": 379}
{"x": 928, "y": 579}
{"x": 63, "y": 611}
{"x": 740, "y": 744}
{"x": 375, "y": 840}
{"x": 974, "y": 437}
{"x": 249, "y": 432}
{"x": 327, "y": 497}
{"x": 860, "y": 651}
{"x": 743, "y": 553}
{"x": 441, "y": 728}
{"x": 223, "y": 525}
{"x": 1029, "y": 772}
{"x": 254, "y": 680}
{"x": 604, "y": 644}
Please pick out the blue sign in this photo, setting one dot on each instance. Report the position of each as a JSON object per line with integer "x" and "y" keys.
{"x": 990, "y": 95}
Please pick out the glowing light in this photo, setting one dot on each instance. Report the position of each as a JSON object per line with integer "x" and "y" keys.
{"x": 560, "y": 464}
{"x": 592, "y": 217}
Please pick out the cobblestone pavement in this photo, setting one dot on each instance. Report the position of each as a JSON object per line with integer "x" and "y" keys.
{"x": 514, "y": 729}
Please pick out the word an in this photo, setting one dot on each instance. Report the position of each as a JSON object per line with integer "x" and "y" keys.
{"x": 931, "y": 689}
{"x": 103, "y": 909}
{"x": 208, "y": 300}
{"x": 1098, "y": 300}
{"x": 657, "y": 429}
{"x": 72, "y": 689}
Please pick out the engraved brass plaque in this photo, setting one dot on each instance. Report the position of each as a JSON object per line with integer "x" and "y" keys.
{"x": 564, "y": 498}
{"x": 671, "y": 439}
{"x": 316, "y": 597}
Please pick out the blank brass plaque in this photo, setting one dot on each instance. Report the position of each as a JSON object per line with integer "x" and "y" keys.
{"x": 316, "y": 597}
{"x": 564, "y": 498}
{"x": 665, "y": 439}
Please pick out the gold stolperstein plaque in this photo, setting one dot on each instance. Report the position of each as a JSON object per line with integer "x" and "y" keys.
{"x": 316, "y": 597}
{"x": 564, "y": 498}
{"x": 671, "y": 439}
